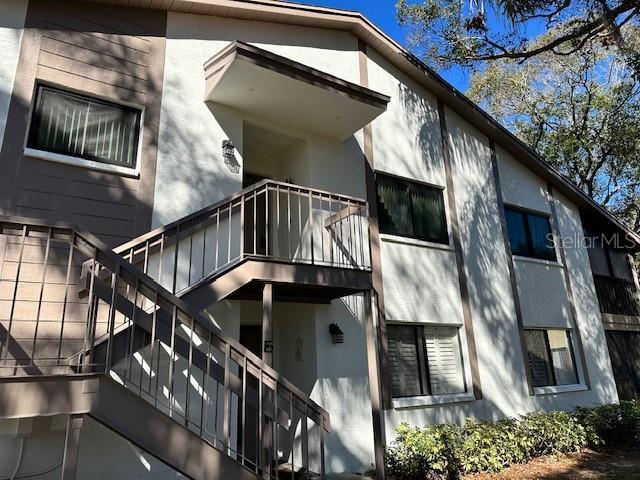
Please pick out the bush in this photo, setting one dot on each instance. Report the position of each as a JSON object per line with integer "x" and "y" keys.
{"x": 611, "y": 425}
{"x": 448, "y": 451}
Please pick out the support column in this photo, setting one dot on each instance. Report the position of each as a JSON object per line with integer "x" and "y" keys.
{"x": 267, "y": 324}
{"x": 374, "y": 387}
{"x": 71, "y": 447}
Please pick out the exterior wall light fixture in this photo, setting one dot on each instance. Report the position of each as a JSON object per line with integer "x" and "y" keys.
{"x": 337, "y": 336}
{"x": 229, "y": 155}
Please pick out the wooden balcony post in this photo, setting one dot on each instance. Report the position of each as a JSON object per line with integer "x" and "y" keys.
{"x": 71, "y": 447}
{"x": 267, "y": 324}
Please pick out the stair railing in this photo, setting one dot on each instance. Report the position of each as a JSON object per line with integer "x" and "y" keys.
{"x": 270, "y": 220}
{"x": 59, "y": 319}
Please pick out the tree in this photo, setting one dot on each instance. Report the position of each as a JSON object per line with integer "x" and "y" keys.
{"x": 472, "y": 32}
{"x": 581, "y": 112}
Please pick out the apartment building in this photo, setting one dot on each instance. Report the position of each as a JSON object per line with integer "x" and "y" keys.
{"x": 246, "y": 239}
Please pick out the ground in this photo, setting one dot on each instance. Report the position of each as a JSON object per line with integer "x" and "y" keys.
{"x": 590, "y": 465}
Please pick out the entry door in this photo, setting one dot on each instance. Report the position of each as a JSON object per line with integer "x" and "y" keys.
{"x": 255, "y": 240}
{"x": 624, "y": 349}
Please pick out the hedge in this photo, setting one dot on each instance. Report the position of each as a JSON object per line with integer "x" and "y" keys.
{"x": 445, "y": 451}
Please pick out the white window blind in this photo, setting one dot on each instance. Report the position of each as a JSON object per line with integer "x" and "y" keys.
{"x": 550, "y": 357}
{"x": 84, "y": 127}
{"x": 444, "y": 360}
{"x": 425, "y": 360}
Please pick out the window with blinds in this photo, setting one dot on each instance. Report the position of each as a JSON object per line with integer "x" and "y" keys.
{"x": 411, "y": 209}
{"x": 425, "y": 360}
{"x": 80, "y": 126}
{"x": 550, "y": 357}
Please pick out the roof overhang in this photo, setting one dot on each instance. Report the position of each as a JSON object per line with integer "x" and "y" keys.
{"x": 275, "y": 88}
{"x": 278, "y": 11}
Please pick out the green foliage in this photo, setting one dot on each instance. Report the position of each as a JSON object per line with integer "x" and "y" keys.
{"x": 580, "y": 113}
{"x": 473, "y": 32}
{"x": 439, "y": 452}
{"x": 611, "y": 425}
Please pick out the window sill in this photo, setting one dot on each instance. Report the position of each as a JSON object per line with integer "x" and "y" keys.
{"x": 387, "y": 237}
{"x": 540, "y": 261}
{"x": 551, "y": 390}
{"x": 81, "y": 162}
{"x": 426, "y": 401}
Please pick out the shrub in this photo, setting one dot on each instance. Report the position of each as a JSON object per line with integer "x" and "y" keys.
{"x": 425, "y": 453}
{"x": 448, "y": 451}
{"x": 611, "y": 425}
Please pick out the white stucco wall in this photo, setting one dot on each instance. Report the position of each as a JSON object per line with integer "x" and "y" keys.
{"x": 12, "y": 14}
{"x": 103, "y": 453}
{"x": 420, "y": 279}
{"x": 190, "y": 171}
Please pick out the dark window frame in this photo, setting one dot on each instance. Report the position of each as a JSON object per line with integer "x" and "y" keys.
{"x": 36, "y": 119}
{"x": 424, "y": 387}
{"x": 547, "y": 343}
{"x": 443, "y": 237}
{"x": 530, "y": 250}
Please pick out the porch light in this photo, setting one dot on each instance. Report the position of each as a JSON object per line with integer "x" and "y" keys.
{"x": 337, "y": 336}
{"x": 228, "y": 153}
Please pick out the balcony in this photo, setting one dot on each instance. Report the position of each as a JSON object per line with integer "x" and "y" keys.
{"x": 310, "y": 244}
{"x": 617, "y": 296}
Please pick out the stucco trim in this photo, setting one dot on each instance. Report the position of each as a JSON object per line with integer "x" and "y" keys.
{"x": 374, "y": 240}
{"x": 457, "y": 247}
{"x": 510, "y": 265}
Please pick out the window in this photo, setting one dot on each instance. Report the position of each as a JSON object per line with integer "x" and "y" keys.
{"x": 529, "y": 234}
{"x": 550, "y": 357}
{"x": 79, "y": 126}
{"x": 425, "y": 360}
{"x": 410, "y": 209}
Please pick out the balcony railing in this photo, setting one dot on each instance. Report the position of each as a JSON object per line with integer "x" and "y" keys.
{"x": 120, "y": 322}
{"x": 270, "y": 220}
{"x": 617, "y": 296}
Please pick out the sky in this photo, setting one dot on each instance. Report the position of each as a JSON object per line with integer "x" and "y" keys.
{"x": 383, "y": 14}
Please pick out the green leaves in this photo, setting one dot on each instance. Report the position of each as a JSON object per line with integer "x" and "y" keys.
{"x": 443, "y": 451}
{"x": 579, "y": 112}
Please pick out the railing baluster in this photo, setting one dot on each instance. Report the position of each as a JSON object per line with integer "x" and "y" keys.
{"x": 227, "y": 400}
{"x": 188, "y": 383}
{"x": 128, "y": 362}
{"x": 255, "y": 222}
{"x": 311, "y": 225}
{"x": 289, "y": 220}
{"x": 266, "y": 220}
{"x": 300, "y": 242}
{"x": 229, "y": 240}
{"x": 242, "y": 213}
{"x": 153, "y": 339}
{"x": 204, "y": 407}
{"x": 292, "y": 435}
{"x": 175, "y": 259}
{"x": 65, "y": 298}
{"x": 215, "y": 267}
{"x": 277, "y": 234}
{"x": 243, "y": 430}
{"x": 260, "y": 442}
{"x": 172, "y": 349}
{"x": 91, "y": 313}
{"x": 112, "y": 315}
{"x": 39, "y": 308}
{"x": 13, "y": 298}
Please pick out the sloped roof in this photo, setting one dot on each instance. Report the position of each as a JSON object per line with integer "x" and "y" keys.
{"x": 322, "y": 17}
